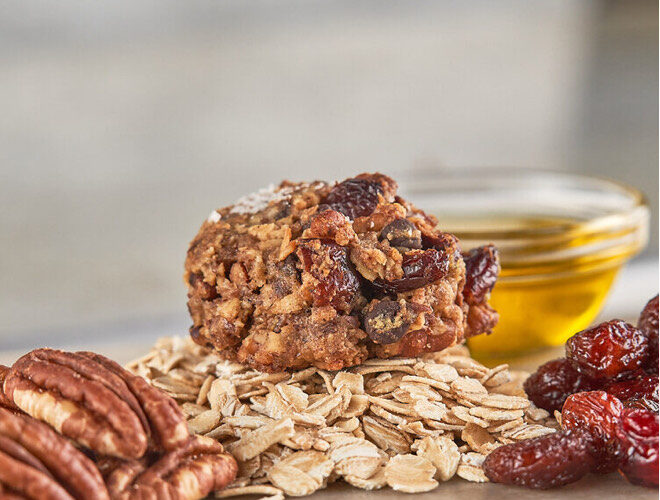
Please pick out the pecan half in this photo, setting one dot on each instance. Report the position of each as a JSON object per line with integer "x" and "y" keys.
{"x": 93, "y": 401}
{"x": 167, "y": 425}
{"x": 36, "y": 462}
{"x": 192, "y": 471}
{"x": 4, "y": 400}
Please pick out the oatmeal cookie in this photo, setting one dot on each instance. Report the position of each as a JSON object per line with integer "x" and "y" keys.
{"x": 327, "y": 275}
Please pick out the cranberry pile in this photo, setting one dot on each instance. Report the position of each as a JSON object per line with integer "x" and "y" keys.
{"x": 607, "y": 391}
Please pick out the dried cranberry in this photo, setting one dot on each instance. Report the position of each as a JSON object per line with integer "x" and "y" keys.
{"x": 420, "y": 267}
{"x": 543, "y": 462}
{"x": 481, "y": 269}
{"x": 648, "y": 323}
{"x": 638, "y": 434}
{"x": 608, "y": 349}
{"x": 328, "y": 262}
{"x": 597, "y": 413}
{"x": 554, "y": 381}
{"x": 385, "y": 322}
{"x": 354, "y": 197}
{"x": 640, "y": 391}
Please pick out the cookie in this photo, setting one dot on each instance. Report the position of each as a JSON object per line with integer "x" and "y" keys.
{"x": 328, "y": 275}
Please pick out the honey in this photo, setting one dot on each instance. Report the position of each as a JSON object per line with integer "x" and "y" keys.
{"x": 562, "y": 238}
{"x": 547, "y": 290}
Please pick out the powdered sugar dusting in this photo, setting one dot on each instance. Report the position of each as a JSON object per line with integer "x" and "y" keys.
{"x": 255, "y": 202}
{"x": 213, "y": 217}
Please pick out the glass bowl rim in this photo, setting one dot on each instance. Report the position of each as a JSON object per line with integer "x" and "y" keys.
{"x": 624, "y": 229}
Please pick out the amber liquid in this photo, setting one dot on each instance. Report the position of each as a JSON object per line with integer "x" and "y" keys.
{"x": 541, "y": 303}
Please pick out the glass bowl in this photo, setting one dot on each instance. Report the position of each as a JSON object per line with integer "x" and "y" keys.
{"x": 562, "y": 237}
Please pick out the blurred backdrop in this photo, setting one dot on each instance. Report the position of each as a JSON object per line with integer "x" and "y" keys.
{"x": 124, "y": 123}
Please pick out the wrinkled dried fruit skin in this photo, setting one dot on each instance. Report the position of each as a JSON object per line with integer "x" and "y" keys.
{"x": 545, "y": 462}
{"x": 401, "y": 233}
{"x": 420, "y": 267}
{"x": 190, "y": 472}
{"x": 329, "y": 264}
{"x": 481, "y": 269}
{"x": 640, "y": 391}
{"x": 648, "y": 323}
{"x": 554, "y": 381}
{"x": 607, "y": 350}
{"x": 354, "y": 197}
{"x": 598, "y": 413}
{"x": 385, "y": 322}
{"x": 36, "y": 462}
{"x": 638, "y": 434}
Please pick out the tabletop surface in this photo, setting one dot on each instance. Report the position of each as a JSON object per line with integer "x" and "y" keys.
{"x": 610, "y": 486}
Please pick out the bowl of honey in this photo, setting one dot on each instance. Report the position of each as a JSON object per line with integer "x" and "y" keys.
{"x": 563, "y": 239}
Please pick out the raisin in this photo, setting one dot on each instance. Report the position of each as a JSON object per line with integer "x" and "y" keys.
{"x": 638, "y": 433}
{"x": 481, "y": 269}
{"x": 554, "y": 381}
{"x": 648, "y": 323}
{"x": 354, "y": 197}
{"x": 328, "y": 262}
{"x": 402, "y": 233}
{"x": 597, "y": 413}
{"x": 608, "y": 349}
{"x": 639, "y": 392}
{"x": 543, "y": 462}
{"x": 385, "y": 322}
{"x": 420, "y": 267}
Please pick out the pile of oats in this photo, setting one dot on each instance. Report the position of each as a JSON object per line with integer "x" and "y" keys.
{"x": 402, "y": 423}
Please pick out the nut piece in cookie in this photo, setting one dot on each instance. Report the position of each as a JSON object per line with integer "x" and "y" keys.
{"x": 327, "y": 275}
{"x": 38, "y": 463}
{"x": 96, "y": 403}
{"x": 192, "y": 471}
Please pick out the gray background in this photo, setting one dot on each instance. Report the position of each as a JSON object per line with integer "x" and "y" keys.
{"x": 123, "y": 124}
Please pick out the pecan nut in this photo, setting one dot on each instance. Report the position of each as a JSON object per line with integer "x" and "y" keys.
{"x": 167, "y": 426}
{"x": 36, "y": 462}
{"x": 95, "y": 402}
{"x": 192, "y": 471}
{"x": 4, "y": 400}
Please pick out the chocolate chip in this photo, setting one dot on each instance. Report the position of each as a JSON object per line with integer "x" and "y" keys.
{"x": 403, "y": 234}
{"x": 385, "y": 322}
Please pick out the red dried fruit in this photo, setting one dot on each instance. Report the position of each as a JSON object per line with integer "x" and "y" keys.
{"x": 648, "y": 323}
{"x": 329, "y": 264}
{"x": 598, "y": 413}
{"x": 354, "y": 197}
{"x": 607, "y": 350}
{"x": 481, "y": 269}
{"x": 639, "y": 392}
{"x": 638, "y": 433}
{"x": 544, "y": 462}
{"x": 420, "y": 267}
{"x": 554, "y": 381}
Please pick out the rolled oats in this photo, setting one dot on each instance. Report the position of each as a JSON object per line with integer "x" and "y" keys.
{"x": 442, "y": 453}
{"x": 293, "y": 433}
{"x": 410, "y": 474}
